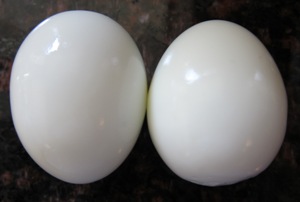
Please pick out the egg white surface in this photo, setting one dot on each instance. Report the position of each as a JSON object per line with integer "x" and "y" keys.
{"x": 78, "y": 95}
{"x": 217, "y": 105}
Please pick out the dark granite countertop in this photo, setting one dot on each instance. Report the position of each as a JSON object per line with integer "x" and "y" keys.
{"x": 154, "y": 25}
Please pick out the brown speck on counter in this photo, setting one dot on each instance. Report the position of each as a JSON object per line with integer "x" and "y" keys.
{"x": 5, "y": 70}
{"x": 154, "y": 24}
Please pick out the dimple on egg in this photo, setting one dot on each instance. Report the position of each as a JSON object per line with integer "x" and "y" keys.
{"x": 78, "y": 95}
{"x": 217, "y": 105}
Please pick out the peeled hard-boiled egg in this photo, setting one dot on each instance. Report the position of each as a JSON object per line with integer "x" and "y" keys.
{"x": 78, "y": 95}
{"x": 217, "y": 105}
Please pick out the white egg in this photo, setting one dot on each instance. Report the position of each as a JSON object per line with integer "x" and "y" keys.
{"x": 217, "y": 105}
{"x": 78, "y": 95}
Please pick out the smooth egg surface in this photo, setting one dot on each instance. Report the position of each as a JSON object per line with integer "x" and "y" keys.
{"x": 217, "y": 105}
{"x": 78, "y": 95}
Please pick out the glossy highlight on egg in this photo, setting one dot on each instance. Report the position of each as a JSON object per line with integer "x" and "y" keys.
{"x": 217, "y": 106}
{"x": 78, "y": 95}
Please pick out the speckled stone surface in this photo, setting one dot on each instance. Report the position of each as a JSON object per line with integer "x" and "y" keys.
{"x": 154, "y": 24}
